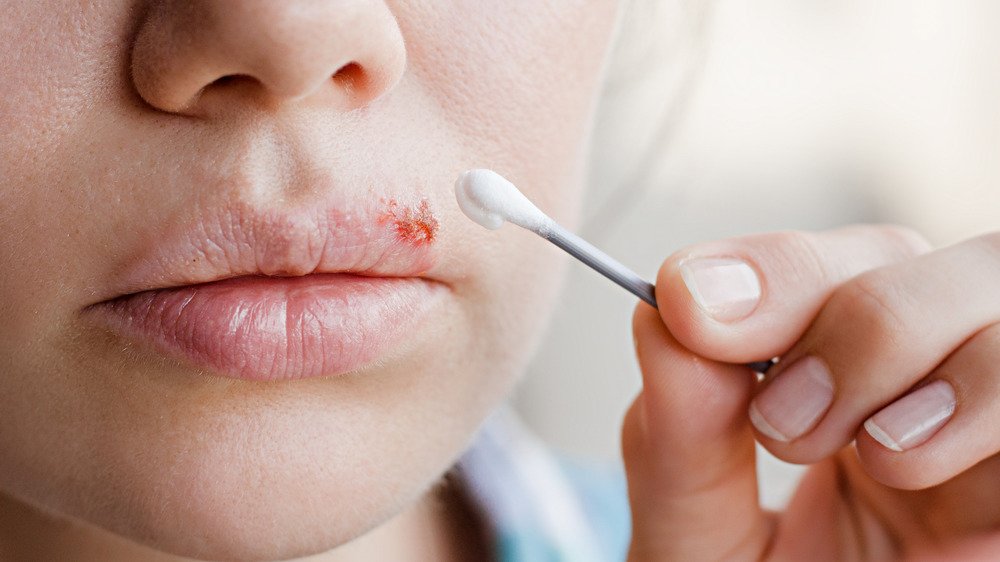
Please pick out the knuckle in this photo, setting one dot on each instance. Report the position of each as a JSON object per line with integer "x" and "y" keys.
{"x": 984, "y": 250}
{"x": 990, "y": 243}
{"x": 872, "y": 304}
{"x": 803, "y": 255}
{"x": 905, "y": 241}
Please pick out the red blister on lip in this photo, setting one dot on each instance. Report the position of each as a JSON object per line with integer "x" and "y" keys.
{"x": 413, "y": 225}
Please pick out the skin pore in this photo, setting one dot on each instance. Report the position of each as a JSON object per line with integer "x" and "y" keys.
{"x": 122, "y": 119}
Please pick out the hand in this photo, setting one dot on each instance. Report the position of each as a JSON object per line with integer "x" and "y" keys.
{"x": 889, "y": 385}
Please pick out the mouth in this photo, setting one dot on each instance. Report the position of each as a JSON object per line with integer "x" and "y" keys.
{"x": 273, "y": 296}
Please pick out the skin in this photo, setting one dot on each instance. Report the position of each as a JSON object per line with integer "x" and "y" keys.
{"x": 886, "y": 314}
{"x": 115, "y": 126}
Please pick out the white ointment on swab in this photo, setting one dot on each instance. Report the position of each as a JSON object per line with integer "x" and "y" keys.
{"x": 489, "y": 199}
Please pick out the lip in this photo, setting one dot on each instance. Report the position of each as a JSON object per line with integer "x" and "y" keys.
{"x": 280, "y": 295}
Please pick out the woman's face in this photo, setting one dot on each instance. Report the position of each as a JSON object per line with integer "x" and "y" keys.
{"x": 152, "y": 150}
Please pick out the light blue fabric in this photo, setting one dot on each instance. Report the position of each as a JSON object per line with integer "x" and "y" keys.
{"x": 540, "y": 507}
{"x": 605, "y": 498}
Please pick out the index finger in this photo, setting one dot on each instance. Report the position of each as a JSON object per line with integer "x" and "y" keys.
{"x": 751, "y": 298}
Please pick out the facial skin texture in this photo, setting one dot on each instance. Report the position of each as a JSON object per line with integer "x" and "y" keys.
{"x": 114, "y": 131}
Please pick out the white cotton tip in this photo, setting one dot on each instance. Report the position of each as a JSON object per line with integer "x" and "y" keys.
{"x": 489, "y": 199}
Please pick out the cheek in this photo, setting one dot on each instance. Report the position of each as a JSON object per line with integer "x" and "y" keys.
{"x": 520, "y": 97}
{"x": 59, "y": 65}
{"x": 523, "y": 91}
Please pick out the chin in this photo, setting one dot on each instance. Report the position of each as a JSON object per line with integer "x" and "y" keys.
{"x": 284, "y": 482}
{"x": 217, "y": 507}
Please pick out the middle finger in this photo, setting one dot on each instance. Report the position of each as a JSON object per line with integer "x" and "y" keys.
{"x": 877, "y": 335}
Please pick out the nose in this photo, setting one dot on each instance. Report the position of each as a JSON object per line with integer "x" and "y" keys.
{"x": 201, "y": 57}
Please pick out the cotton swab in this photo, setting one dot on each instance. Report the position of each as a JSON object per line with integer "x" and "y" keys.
{"x": 489, "y": 199}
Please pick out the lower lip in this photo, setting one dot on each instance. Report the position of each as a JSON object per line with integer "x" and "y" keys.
{"x": 277, "y": 328}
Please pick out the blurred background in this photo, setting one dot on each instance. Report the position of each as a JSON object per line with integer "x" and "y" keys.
{"x": 732, "y": 117}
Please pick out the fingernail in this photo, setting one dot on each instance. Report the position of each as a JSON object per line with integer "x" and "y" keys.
{"x": 725, "y": 288}
{"x": 795, "y": 401}
{"x": 914, "y": 418}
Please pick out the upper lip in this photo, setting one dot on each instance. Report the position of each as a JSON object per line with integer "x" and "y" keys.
{"x": 239, "y": 240}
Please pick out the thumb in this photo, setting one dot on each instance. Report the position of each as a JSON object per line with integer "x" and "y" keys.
{"x": 689, "y": 455}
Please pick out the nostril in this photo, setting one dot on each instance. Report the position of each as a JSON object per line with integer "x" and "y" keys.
{"x": 231, "y": 80}
{"x": 213, "y": 58}
{"x": 240, "y": 85}
{"x": 350, "y": 77}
